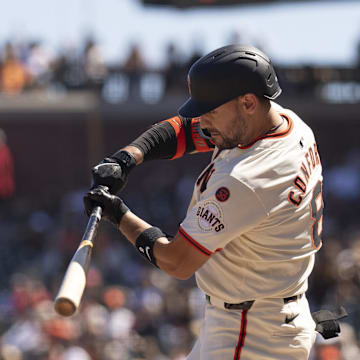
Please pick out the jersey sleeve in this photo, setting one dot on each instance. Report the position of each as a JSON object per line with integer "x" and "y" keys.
{"x": 225, "y": 211}
{"x": 172, "y": 138}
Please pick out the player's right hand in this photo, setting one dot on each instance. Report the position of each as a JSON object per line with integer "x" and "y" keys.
{"x": 113, "y": 172}
{"x": 113, "y": 208}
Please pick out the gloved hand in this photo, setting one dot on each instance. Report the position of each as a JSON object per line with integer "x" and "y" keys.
{"x": 113, "y": 208}
{"x": 112, "y": 172}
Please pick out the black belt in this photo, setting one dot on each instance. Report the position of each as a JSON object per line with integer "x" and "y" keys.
{"x": 292, "y": 298}
{"x": 246, "y": 305}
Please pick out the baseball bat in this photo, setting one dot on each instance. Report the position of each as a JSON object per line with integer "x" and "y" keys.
{"x": 72, "y": 287}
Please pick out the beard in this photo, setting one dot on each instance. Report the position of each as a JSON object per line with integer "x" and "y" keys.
{"x": 224, "y": 143}
{"x": 235, "y": 132}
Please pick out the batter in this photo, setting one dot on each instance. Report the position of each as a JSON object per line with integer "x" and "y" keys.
{"x": 254, "y": 223}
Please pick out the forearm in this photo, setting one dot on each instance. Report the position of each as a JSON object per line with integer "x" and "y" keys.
{"x": 131, "y": 226}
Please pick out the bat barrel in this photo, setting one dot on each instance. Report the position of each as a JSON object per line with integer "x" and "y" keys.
{"x": 71, "y": 290}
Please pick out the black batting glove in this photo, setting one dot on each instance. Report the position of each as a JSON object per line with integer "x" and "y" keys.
{"x": 113, "y": 171}
{"x": 113, "y": 208}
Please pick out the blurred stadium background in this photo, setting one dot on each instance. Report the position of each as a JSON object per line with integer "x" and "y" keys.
{"x": 62, "y": 112}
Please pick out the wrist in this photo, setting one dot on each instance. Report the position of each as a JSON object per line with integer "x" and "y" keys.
{"x": 125, "y": 159}
{"x": 120, "y": 209}
{"x": 135, "y": 152}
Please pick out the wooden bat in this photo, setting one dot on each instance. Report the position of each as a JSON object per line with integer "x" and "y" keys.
{"x": 71, "y": 290}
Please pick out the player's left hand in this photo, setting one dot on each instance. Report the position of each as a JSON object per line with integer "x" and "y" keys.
{"x": 110, "y": 174}
{"x": 113, "y": 208}
{"x": 113, "y": 172}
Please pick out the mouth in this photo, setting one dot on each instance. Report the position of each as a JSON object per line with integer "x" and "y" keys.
{"x": 214, "y": 133}
{"x": 210, "y": 132}
{"x": 207, "y": 133}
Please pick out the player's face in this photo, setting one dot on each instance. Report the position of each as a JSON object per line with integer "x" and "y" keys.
{"x": 226, "y": 125}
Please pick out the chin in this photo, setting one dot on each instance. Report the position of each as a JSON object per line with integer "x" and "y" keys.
{"x": 225, "y": 146}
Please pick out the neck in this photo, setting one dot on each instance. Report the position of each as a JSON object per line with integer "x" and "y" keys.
{"x": 274, "y": 122}
{"x": 268, "y": 122}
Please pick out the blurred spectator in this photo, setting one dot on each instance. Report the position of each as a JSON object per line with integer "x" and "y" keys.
{"x": 234, "y": 37}
{"x": 7, "y": 185}
{"x": 134, "y": 67}
{"x": 174, "y": 69}
{"x": 94, "y": 63}
{"x": 344, "y": 347}
{"x": 38, "y": 63}
{"x": 75, "y": 353}
{"x": 59, "y": 68}
{"x": 327, "y": 349}
{"x": 13, "y": 74}
{"x": 349, "y": 344}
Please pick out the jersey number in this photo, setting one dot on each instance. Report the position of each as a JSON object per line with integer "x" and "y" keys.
{"x": 317, "y": 208}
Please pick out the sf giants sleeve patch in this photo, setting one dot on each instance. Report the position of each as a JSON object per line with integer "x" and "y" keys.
{"x": 219, "y": 218}
{"x": 210, "y": 217}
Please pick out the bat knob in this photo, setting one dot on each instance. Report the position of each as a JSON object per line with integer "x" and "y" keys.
{"x": 64, "y": 307}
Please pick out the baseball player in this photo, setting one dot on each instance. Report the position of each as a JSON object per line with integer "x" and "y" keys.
{"x": 254, "y": 223}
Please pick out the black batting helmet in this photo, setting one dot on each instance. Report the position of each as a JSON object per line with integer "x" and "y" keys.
{"x": 227, "y": 73}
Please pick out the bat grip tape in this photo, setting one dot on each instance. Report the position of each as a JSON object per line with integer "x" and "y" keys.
{"x": 145, "y": 243}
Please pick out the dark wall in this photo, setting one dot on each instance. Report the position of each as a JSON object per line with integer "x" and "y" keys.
{"x": 54, "y": 151}
{"x": 48, "y": 149}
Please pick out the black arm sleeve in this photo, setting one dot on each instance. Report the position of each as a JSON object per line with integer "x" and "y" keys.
{"x": 170, "y": 139}
{"x": 158, "y": 142}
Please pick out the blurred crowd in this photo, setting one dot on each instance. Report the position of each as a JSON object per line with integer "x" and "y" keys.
{"x": 31, "y": 65}
{"x": 26, "y": 66}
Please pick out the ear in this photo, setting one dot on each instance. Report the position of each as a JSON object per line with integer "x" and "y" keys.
{"x": 249, "y": 103}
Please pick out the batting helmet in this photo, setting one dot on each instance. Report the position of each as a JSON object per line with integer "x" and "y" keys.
{"x": 227, "y": 73}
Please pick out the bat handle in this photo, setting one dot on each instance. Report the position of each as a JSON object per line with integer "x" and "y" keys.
{"x": 91, "y": 227}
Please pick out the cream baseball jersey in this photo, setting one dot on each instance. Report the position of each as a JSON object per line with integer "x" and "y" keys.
{"x": 256, "y": 211}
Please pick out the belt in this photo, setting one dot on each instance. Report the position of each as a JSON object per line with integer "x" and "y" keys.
{"x": 245, "y": 305}
{"x": 292, "y": 298}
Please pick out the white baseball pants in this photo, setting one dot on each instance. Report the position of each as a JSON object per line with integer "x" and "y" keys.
{"x": 269, "y": 330}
